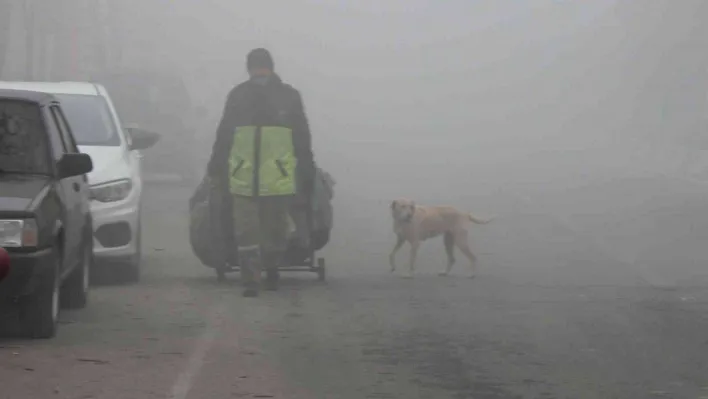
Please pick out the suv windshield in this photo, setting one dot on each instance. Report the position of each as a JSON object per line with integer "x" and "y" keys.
{"x": 23, "y": 142}
{"x": 90, "y": 119}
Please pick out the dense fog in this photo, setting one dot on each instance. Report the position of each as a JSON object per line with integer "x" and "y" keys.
{"x": 495, "y": 106}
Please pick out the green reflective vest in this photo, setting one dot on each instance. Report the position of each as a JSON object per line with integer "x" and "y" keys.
{"x": 262, "y": 161}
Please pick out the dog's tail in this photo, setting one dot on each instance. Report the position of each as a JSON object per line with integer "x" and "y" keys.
{"x": 479, "y": 221}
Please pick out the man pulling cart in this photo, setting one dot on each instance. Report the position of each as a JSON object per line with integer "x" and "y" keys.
{"x": 262, "y": 168}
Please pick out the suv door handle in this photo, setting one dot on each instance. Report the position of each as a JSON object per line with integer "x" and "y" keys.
{"x": 76, "y": 187}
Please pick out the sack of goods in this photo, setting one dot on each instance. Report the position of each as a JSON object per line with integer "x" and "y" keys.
{"x": 207, "y": 210}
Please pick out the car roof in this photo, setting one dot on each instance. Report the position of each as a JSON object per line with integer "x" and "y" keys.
{"x": 80, "y": 88}
{"x": 27, "y": 95}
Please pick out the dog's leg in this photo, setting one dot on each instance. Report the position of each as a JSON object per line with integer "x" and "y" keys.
{"x": 449, "y": 240}
{"x": 462, "y": 243}
{"x": 414, "y": 252}
{"x": 392, "y": 257}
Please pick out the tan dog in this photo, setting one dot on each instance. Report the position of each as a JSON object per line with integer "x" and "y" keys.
{"x": 415, "y": 224}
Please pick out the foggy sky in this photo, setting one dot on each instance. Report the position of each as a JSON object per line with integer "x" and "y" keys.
{"x": 409, "y": 86}
{"x": 414, "y": 69}
{"x": 424, "y": 76}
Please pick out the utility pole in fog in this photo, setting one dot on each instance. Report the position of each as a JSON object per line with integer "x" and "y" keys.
{"x": 6, "y": 9}
{"x": 104, "y": 46}
{"x": 28, "y": 13}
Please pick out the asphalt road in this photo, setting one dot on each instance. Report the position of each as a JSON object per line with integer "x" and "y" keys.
{"x": 594, "y": 290}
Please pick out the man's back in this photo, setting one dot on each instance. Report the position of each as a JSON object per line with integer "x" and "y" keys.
{"x": 264, "y": 102}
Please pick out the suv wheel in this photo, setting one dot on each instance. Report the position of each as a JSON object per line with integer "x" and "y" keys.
{"x": 41, "y": 309}
{"x": 75, "y": 293}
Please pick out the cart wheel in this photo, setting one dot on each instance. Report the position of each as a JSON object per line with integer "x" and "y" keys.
{"x": 220, "y": 275}
{"x": 321, "y": 269}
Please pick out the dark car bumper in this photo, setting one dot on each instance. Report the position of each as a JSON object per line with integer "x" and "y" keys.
{"x": 27, "y": 270}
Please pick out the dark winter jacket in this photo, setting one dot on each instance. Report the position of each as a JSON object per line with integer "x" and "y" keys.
{"x": 269, "y": 102}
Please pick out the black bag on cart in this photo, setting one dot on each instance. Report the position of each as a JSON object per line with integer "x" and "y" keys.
{"x": 210, "y": 239}
{"x": 321, "y": 214}
{"x": 205, "y": 228}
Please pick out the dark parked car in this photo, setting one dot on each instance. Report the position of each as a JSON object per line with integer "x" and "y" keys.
{"x": 45, "y": 220}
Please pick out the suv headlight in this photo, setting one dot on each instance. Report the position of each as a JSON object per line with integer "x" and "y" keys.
{"x": 18, "y": 233}
{"x": 112, "y": 191}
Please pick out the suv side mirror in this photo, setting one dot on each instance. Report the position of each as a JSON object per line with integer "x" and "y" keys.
{"x": 74, "y": 165}
{"x": 141, "y": 139}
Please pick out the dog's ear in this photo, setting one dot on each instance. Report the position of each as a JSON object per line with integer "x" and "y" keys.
{"x": 393, "y": 204}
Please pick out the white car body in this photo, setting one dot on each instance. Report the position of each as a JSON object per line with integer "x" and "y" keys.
{"x": 112, "y": 164}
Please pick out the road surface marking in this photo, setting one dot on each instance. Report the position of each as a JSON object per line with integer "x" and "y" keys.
{"x": 184, "y": 381}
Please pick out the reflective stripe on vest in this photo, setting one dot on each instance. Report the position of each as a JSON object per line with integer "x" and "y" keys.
{"x": 264, "y": 157}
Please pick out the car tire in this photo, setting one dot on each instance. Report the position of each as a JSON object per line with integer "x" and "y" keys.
{"x": 75, "y": 292}
{"x": 40, "y": 310}
{"x": 132, "y": 270}
{"x": 220, "y": 274}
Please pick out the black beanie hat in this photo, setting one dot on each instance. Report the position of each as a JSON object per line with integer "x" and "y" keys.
{"x": 259, "y": 58}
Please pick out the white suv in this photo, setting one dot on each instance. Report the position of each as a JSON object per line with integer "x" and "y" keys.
{"x": 116, "y": 180}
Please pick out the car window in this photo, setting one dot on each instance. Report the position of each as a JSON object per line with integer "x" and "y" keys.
{"x": 70, "y": 136}
{"x": 90, "y": 119}
{"x": 23, "y": 139}
{"x": 64, "y": 131}
{"x": 56, "y": 143}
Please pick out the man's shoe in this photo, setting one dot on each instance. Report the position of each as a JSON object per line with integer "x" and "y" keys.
{"x": 251, "y": 290}
{"x": 274, "y": 261}
{"x": 271, "y": 284}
